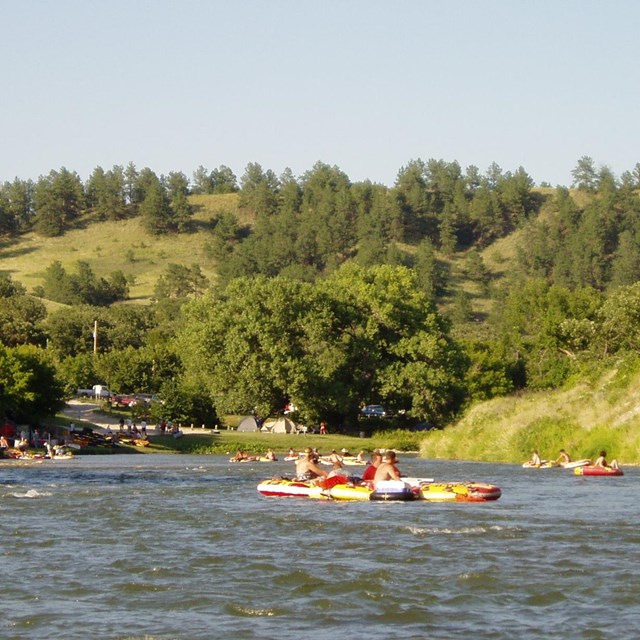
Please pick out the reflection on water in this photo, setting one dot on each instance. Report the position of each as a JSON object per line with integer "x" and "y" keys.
{"x": 156, "y": 546}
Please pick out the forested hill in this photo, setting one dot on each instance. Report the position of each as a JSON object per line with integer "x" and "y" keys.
{"x": 532, "y": 284}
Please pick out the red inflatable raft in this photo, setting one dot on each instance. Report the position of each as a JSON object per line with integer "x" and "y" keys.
{"x": 591, "y": 470}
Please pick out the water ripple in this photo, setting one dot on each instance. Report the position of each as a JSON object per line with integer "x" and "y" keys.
{"x": 184, "y": 547}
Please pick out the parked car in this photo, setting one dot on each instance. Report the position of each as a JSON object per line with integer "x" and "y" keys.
{"x": 373, "y": 411}
{"x": 124, "y": 400}
{"x": 148, "y": 398}
{"x": 97, "y": 391}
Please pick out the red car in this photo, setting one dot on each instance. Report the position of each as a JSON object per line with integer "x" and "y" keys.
{"x": 124, "y": 400}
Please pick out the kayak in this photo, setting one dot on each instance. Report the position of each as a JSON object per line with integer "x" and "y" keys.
{"x": 597, "y": 471}
{"x": 389, "y": 490}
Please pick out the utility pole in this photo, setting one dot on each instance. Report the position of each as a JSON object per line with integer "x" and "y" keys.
{"x": 95, "y": 337}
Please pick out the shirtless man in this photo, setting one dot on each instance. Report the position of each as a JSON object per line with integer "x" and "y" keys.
{"x": 387, "y": 469}
{"x": 602, "y": 462}
{"x": 307, "y": 469}
{"x": 535, "y": 460}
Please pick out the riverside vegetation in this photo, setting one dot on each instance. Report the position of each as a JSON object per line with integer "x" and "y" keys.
{"x": 591, "y": 413}
{"x": 494, "y": 308}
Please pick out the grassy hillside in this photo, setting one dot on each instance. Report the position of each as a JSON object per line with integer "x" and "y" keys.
{"x": 603, "y": 414}
{"x": 125, "y": 246}
{"x": 590, "y": 416}
{"x": 112, "y": 246}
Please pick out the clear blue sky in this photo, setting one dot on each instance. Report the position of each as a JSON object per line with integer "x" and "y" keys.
{"x": 366, "y": 85}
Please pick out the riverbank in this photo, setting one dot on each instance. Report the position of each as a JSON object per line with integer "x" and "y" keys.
{"x": 197, "y": 440}
{"x": 590, "y": 415}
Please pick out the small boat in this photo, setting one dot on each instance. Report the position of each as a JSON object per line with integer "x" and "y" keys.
{"x": 591, "y": 470}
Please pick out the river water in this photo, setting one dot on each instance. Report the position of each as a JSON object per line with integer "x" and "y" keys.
{"x": 176, "y": 546}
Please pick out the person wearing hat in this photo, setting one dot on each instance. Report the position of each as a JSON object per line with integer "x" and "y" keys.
{"x": 387, "y": 469}
{"x": 307, "y": 469}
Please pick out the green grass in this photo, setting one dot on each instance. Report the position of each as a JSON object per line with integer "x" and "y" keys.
{"x": 117, "y": 246}
{"x": 584, "y": 418}
{"x": 228, "y": 442}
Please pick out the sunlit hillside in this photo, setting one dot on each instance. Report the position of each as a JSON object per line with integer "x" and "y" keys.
{"x": 590, "y": 416}
{"x": 113, "y": 246}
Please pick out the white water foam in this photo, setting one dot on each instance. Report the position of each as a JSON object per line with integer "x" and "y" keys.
{"x": 32, "y": 493}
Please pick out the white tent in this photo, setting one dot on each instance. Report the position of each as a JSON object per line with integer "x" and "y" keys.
{"x": 283, "y": 425}
{"x": 267, "y": 424}
{"x": 248, "y": 424}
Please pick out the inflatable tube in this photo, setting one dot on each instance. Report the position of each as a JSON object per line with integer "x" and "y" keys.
{"x": 459, "y": 492}
{"x": 545, "y": 464}
{"x": 349, "y": 492}
{"x": 283, "y": 488}
{"x": 332, "y": 481}
{"x": 597, "y": 471}
{"x": 389, "y": 490}
{"x": 577, "y": 463}
{"x": 392, "y": 490}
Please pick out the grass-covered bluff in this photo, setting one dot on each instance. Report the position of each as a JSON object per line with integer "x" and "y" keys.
{"x": 602, "y": 412}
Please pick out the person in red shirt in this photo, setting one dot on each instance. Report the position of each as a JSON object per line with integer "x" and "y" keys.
{"x": 370, "y": 472}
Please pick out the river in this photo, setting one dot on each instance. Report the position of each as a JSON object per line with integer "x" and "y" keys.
{"x": 184, "y": 547}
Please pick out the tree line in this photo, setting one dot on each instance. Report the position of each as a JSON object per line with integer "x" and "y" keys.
{"x": 331, "y": 298}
